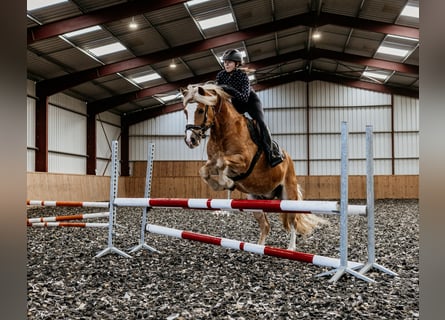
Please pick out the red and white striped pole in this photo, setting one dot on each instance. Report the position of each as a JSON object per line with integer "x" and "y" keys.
{"x": 82, "y": 216}
{"x": 68, "y": 224}
{"x": 298, "y": 206}
{"x": 48, "y": 203}
{"x": 250, "y": 247}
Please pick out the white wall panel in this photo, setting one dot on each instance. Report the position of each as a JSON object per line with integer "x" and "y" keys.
{"x": 290, "y": 95}
{"x": 66, "y": 134}
{"x": 407, "y": 166}
{"x": 30, "y": 160}
{"x": 295, "y": 145}
{"x": 62, "y": 100}
{"x": 105, "y": 134}
{"x": 325, "y": 94}
{"x": 283, "y": 121}
{"x": 61, "y": 163}
{"x": 406, "y": 114}
{"x": 167, "y": 133}
{"x": 66, "y": 131}
{"x": 30, "y": 88}
{"x": 328, "y": 120}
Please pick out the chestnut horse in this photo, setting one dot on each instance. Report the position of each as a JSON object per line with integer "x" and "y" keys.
{"x": 235, "y": 161}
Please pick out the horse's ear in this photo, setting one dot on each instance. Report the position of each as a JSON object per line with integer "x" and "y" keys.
{"x": 201, "y": 91}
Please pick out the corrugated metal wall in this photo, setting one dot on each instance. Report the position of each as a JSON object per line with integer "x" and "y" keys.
{"x": 107, "y": 130}
{"x": 67, "y": 123}
{"x": 305, "y": 119}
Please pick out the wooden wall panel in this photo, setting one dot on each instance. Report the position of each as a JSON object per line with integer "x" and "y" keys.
{"x": 176, "y": 179}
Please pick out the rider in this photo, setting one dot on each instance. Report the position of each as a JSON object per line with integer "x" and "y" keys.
{"x": 235, "y": 82}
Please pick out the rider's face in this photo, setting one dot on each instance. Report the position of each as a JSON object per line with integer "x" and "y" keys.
{"x": 229, "y": 65}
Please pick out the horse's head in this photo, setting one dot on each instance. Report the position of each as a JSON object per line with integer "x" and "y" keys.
{"x": 200, "y": 102}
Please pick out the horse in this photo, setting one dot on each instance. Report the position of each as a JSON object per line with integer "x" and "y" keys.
{"x": 236, "y": 161}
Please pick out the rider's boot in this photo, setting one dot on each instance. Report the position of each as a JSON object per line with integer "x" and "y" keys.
{"x": 272, "y": 150}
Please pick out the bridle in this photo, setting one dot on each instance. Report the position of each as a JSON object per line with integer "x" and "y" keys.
{"x": 200, "y": 130}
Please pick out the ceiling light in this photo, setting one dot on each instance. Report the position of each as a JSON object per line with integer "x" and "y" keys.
{"x": 107, "y": 49}
{"x": 146, "y": 77}
{"x": 133, "y": 25}
{"x": 172, "y": 64}
{"x": 37, "y": 4}
{"x": 410, "y": 11}
{"x": 393, "y": 51}
{"x": 251, "y": 77}
{"x": 316, "y": 35}
{"x": 82, "y": 31}
{"x": 216, "y": 21}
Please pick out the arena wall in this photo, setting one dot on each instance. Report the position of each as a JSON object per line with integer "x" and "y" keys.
{"x": 179, "y": 179}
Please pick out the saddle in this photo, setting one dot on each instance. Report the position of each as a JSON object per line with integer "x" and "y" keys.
{"x": 255, "y": 135}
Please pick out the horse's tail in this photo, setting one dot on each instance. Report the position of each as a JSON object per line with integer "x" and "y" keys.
{"x": 304, "y": 223}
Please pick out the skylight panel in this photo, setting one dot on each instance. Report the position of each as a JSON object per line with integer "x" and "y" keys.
{"x": 393, "y": 51}
{"x": 195, "y": 2}
{"x": 375, "y": 75}
{"x": 167, "y": 98}
{"x": 107, "y": 49}
{"x": 82, "y": 31}
{"x": 410, "y": 11}
{"x": 216, "y": 21}
{"x": 404, "y": 39}
{"x": 37, "y": 4}
{"x": 146, "y": 77}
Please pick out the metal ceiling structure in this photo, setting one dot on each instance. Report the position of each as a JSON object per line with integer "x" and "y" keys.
{"x": 276, "y": 35}
{"x": 338, "y": 41}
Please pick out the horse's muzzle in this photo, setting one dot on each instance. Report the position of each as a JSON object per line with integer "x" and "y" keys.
{"x": 192, "y": 139}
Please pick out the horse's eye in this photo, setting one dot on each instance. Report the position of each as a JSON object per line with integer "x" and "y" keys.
{"x": 200, "y": 111}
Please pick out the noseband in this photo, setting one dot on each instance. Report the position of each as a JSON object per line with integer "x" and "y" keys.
{"x": 201, "y": 129}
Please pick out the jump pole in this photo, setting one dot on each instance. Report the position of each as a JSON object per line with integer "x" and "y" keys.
{"x": 112, "y": 210}
{"x": 50, "y": 203}
{"x": 250, "y": 247}
{"x": 371, "y": 263}
{"x": 147, "y": 191}
{"x": 68, "y": 224}
{"x": 82, "y": 216}
{"x": 296, "y": 206}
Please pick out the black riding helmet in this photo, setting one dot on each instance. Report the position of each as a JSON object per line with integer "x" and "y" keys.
{"x": 232, "y": 55}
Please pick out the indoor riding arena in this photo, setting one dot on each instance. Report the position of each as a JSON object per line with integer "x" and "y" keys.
{"x": 149, "y": 198}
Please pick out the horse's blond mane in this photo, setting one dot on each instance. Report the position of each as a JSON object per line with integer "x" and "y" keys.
{"x": 193, "y": 94}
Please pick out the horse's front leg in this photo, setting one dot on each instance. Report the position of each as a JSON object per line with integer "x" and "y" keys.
{"x": 208, "y": 173}
{"x": 230, "y": 166}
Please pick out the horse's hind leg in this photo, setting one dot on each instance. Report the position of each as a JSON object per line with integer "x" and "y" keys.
{"x": 264, "y": 225}
{"x": 293, "y": 233}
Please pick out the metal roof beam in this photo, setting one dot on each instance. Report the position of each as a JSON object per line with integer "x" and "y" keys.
{"x": 52, "y": 86}
{"x": 103, "y": 105}
{"x": 140, "y": 116}
{"x": 368, "y": 25}
{"x": 101, "y": 16}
